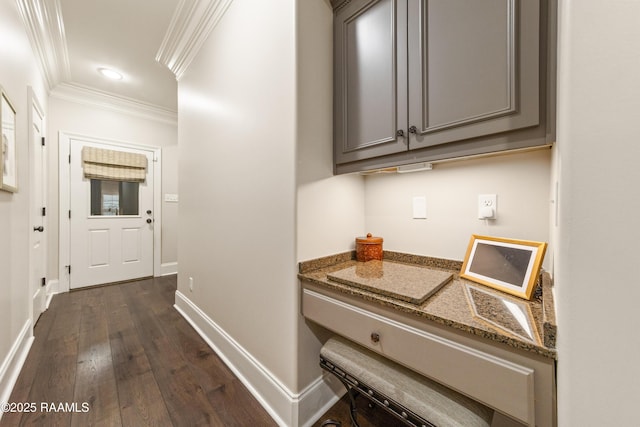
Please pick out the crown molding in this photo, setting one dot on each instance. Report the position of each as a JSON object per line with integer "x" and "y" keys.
{"x": 85, "y": 95}
{"x": 45, "y": 29}
{"x": 339, "y": 4}
{"x": 191, "y": 24}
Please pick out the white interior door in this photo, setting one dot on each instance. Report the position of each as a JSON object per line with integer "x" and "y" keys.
{"x": 111, "y": 225}
{"x": 38, "y": 255}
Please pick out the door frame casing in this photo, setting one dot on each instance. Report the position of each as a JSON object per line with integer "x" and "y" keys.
{"x": 64, "y": 236}
{"x": 35, "y": 104}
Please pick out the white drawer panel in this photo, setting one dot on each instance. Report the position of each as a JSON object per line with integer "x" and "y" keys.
{"x": 498, "y": 383}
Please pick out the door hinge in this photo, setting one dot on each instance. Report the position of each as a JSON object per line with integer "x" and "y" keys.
{"x": 68, "y": 269}
{"x": 44, "y": 211}
{"x": 43, "y": 141}
{"x": 69, "y": 158}
{"x": 69, "y": 213}
{"x": 44, "y": 281}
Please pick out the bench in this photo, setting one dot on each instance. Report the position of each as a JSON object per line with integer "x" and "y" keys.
{"x": 410, "y": 397}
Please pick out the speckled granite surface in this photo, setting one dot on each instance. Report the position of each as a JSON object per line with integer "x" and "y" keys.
{"x": 405, "y": 282}
{"x": 461, "y": 304}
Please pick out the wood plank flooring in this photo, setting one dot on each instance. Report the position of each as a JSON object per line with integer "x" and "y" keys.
{"x": 125, "y": 357}
{"x": 126, "y": 354}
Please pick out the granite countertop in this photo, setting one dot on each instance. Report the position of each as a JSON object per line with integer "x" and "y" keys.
{"x": 454, "y": 302}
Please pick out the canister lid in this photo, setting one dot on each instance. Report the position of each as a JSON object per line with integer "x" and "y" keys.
{"x": 369, "y": 240}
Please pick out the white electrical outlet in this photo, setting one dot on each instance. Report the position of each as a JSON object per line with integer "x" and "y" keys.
{"x": 487, "y": 206}
{"x": 191, "y": 284}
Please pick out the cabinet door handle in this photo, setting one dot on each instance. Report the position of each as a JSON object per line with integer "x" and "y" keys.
{"x": 413, "y": 129}
{"x": 375, "y": 337}
{"x": 399, "y": 132}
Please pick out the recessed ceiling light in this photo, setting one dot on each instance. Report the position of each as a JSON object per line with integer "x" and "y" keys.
{"x": 110, "y": 74}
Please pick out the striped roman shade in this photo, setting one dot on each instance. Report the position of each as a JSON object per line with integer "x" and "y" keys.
{"x": 113, "y": 165}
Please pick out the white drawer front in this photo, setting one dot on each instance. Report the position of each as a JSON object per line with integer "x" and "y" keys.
{"x": 498, "y": 383}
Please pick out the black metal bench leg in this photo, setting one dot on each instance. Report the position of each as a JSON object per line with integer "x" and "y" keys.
{"x": 353, "y": 412}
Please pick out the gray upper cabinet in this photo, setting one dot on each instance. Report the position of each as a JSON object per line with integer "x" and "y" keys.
{"x": 370, "y": 79}
{"x": 426, "y": 80}
{"x": 473, "y": 68}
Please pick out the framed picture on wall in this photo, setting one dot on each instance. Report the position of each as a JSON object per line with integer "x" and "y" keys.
{"x": 508, "y": 265}
{"x": 8, "y": 154}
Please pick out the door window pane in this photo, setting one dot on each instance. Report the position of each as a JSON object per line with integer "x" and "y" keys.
{"x": 114, "y": 198}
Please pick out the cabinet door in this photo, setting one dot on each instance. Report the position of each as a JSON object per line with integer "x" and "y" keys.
{"x": 370, "y": 79}
{"x": 473, "y": 68}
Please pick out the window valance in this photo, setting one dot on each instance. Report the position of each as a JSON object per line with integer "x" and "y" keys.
{"x": 113, "y": 165}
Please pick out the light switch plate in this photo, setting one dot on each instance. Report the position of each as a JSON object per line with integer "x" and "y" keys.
{"x": 419, "y": 207}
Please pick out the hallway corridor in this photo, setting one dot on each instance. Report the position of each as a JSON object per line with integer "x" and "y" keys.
{"x": 122, "y": 355}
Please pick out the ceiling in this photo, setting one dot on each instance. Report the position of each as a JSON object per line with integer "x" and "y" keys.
{"x": 149, "y": 42}
{"x": 125, "y": 36}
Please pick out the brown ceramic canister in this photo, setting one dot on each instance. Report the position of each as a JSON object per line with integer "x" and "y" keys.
{"x": 368, "y": 248}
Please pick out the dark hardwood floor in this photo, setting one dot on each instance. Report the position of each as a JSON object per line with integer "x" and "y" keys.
{"x": 125, "y": 357}
{"x": 121, "y": 355}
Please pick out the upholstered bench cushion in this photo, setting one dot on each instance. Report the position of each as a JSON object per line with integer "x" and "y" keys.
{"x": 430, "y": 400}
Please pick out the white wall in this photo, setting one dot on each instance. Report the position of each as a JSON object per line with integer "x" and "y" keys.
{"x": 18, "y": 69}
{"x": 237, "y": 182}
{"x": 258, "y": 192}
{"x": 520, "y": 181}
{"x": 170, "y": 209}
{"x": 93, "y": 121}
{"x": 329, "y": 209}
{"x": 598, "y": 234}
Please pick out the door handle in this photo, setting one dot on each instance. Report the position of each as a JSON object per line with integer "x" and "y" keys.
{"x": 40, "y": 229}
{"x": 149, "y": 220}
{"x": 413, "y": 129}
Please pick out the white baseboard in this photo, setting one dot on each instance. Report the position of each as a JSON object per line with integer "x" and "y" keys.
{"x": 53, "y": 287}
{"x": 12, "y": 364}
{"x": 321, "y": 395}
{"x": 285, "y": 407}
{"x": 168, "y": 268}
